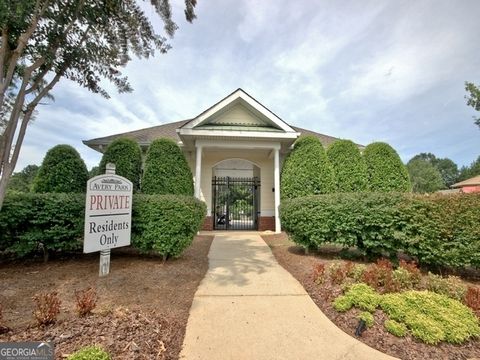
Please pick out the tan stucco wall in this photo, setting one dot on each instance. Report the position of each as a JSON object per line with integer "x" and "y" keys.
{"x": 260, "y": 158}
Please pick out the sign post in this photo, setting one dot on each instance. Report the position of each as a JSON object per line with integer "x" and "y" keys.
{"x": 108, "y": 215}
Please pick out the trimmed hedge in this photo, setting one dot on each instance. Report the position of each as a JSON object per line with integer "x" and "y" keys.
{"x": 166, "y": 170}
{"x": 127, "y": 157}
{"x": 306, "y": 170}
{"x": 62, "y": 170}
{"x": 386, "y": 172}
{"x": 32, "y": 223}
{"x": 348, "y": 165}
{"x": 166, "y": 224}
{"x": 438, "y": 230}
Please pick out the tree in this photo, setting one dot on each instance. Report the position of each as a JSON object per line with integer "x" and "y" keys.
{"x": 447, "y": 168}
{"x": 86, "y": 41}
{"x": 467, "y": 172}
{"x": 62, "y": 171}
{"x": 306, "y": 170}
{"x": 127, "y": 157}
{"x": 473, "y": 98}
{"x": 424, "y": 176}
{"x": 166, "y": 170}
{"x": 94, "y": 171}
{"x": 386, "y": 172}
{"x": 22, "y": 181}
{"x": 348, "y": 165}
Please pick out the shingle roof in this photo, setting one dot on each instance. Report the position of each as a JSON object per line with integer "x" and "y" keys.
{"x": 469, "y": 182}
{"x": 169, "y": 130}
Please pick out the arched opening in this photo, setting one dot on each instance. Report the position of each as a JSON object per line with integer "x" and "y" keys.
{"x": 236, "y": 195}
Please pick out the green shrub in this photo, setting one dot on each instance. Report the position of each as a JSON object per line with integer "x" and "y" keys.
{"x": 436, "y": 230}
{"x": 166, "y": 170}
{"x": 348, "y": 165}
{"x": 127, "y": 157}
{"x": 90, "y": 353}
{"x": 431, "y": 317}
{"x": 30, "y": 223}
{"x": 62, "y": 171}
{"x": 425, "y": 177}
{"x": 166, "y": 224}
{"x": 451, "y": 286}
{"x": 357, "y": 272}
{"x": 396, "y": 328}
{"x": 306, "y": 170}
{"x": 358, "y": 295}
{"x": 403, "y": 279}
{"x": 386, "y": 172}
{"x": 367, "y": 317}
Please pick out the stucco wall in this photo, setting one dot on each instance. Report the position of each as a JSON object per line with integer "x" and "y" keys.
{"x": 259, "y": 158}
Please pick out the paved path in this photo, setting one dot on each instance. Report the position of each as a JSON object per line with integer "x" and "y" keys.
{"x": 249, "y": 307}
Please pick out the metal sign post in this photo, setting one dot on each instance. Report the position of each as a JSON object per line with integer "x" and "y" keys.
{"x": 108, "y": 215}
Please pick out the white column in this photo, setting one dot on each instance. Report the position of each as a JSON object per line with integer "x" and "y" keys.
{"x": 276, "y": 185}
{"x": 198, "y": 171}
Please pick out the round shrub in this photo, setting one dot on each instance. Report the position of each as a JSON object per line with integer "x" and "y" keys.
{"x": 348, "y": 165}
{"x": 386, "y": 172}
{"x": 127, "y": 157}
{"x": 62, "y": 171}
{"x": 166, "y": 170}
{"x": 306, "y": 170}
{"x": 90, "y": 353}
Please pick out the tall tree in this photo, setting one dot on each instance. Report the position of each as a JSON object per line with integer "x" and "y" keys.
{"x": 86, "y": 41}
{"x": 424, "y": 176}
{"x": 22, "y": 181}
{"x": 467, "y": 172}
{"x": 447, "y": 168}
{"x": 473, "y": 98}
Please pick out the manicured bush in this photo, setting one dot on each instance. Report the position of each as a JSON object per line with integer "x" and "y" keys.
{"x": 166, "y": 170}
{"x": 348, "y": 165}
{"x": 396, "y": 328}
{"x": 62, "y": 171}
{"x": 90, "y": 353}
{"x": 306, "y": 170}
{"x": 127, "y": 157}
{"x": 436, "y": 230}
{"x": 166, "y": 224}
{"x": 358, "y": 295}
{"x": 31, "y": 223}
{"x": 386, "y": 172}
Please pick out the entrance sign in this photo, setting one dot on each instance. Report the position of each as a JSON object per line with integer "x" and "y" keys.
{"x": 108, "y": 215}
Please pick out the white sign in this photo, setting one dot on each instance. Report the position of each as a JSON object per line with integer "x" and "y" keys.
{"x": 108, "y": 213}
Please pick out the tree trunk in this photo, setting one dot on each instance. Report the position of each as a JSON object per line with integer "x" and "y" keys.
{"x": 6, "y": 172}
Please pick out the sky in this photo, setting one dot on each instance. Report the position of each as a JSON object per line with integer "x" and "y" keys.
{"x": 391, "y": 71}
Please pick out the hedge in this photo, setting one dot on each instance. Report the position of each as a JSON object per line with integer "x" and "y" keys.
{"x": 62, "y": 170}
{"x": 348, "y": 165}
{"x": 306, "y": 170}
{"x": 437, "y": 230}
{"x": 127, "y": 157}
{"x": 166, "y": 224}
{"x": 166, "y": 170}
{"x": 44, "y": 223}
{"x": 386, "y": 172}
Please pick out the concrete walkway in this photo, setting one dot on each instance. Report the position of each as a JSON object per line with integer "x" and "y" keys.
{"x": 249, "y": 307}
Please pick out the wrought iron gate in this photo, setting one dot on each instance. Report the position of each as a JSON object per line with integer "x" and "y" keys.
{"x": 235, "y": 203}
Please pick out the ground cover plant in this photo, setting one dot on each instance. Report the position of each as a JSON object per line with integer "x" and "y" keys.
{"x": 379, "y": 288}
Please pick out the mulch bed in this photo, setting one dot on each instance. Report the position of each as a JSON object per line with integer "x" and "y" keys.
{"x": 142, "y": 309}
{"x": 294, "y": 260}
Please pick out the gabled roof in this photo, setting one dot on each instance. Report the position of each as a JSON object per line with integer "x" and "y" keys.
{"x": 469, "y": 182}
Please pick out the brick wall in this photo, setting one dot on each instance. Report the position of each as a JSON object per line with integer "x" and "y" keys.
{"x": 208, "y": 224}
{"x": 266, "y": 223}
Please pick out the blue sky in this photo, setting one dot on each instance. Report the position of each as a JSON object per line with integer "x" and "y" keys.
{"x": 367, "y": 71}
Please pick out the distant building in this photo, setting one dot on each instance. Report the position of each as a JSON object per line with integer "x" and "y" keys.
{"x": 468, "y": 186}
